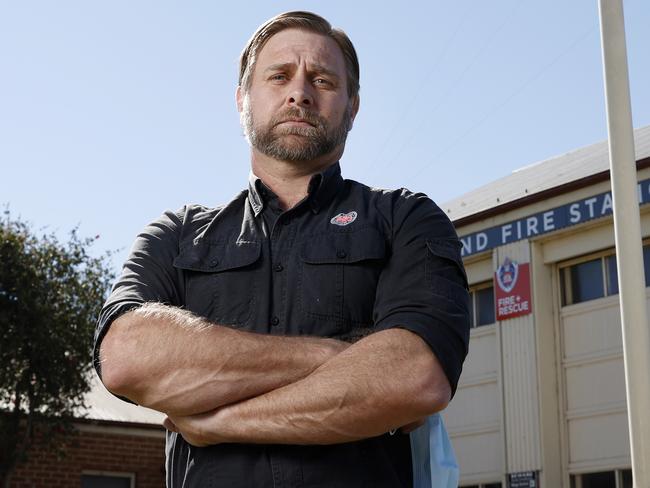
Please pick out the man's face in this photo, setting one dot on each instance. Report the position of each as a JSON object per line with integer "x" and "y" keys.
{"x": 297, "y": 106}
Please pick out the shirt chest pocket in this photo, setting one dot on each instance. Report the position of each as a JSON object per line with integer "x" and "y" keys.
{"x": 220, "y": 280}
{"x": 338, "y": 280}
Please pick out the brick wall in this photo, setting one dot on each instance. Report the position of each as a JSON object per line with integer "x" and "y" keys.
{"x": 101, "y": 450}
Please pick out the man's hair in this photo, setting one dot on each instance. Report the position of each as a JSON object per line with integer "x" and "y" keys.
{"x": 298, "y": 20}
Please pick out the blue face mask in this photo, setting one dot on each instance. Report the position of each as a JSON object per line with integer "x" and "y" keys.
{"x": 434, "y": 462}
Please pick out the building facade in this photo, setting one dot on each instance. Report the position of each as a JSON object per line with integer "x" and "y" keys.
{"x": 541, "y": 401}
{"x": 114, "y": 445}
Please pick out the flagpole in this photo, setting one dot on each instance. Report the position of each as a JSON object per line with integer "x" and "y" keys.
{"x": 627, "y": 228}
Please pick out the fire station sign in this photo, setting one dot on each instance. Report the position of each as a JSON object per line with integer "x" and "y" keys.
{"x": 512, "y": 289}
{"x": 573, "y": 213}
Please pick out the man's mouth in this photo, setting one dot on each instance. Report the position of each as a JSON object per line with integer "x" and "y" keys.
{"x": 297, "y": 122}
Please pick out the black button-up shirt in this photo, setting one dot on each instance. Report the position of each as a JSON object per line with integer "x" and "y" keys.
{"x": 347, "y": 261}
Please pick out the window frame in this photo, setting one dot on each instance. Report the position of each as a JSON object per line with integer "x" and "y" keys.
{"x": 576, "y": 479}
{"x": 565, "y": 276}
{"x": 110, "y": 474}
{"x": 474, "y": 303}
{"x": 565, "y": 282}
{"x": 482, "y": 485}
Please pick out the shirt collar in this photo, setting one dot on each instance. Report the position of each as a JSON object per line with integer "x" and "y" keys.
{"x": 322, "y": 188}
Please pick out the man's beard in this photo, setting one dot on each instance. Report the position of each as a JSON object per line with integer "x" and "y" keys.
{"x": 295, "y": 143}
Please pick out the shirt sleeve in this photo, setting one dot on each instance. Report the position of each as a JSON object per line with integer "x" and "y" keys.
{"x": 148, "y": 275}
{"x": 423, "y": 287}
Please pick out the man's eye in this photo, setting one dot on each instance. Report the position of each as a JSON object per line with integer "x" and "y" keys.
{"x": 321, "y": 81}
{"x": 278, "y": 77}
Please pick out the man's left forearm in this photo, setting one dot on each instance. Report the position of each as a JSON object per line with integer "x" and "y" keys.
{"x": 385, "y": 381}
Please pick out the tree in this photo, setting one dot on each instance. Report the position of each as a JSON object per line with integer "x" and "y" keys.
{"x": 50, "y": 296}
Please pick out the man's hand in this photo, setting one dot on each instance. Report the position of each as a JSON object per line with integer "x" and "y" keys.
{"x": 408, "y": 428}
{"x": 198, "y": 430}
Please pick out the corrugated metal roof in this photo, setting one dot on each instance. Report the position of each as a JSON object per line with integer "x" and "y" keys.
{"x": 104, "y": 406}
{"x": 542, "y": 176}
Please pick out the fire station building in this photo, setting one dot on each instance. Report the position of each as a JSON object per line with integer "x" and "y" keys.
{"x": 541, "y": 400}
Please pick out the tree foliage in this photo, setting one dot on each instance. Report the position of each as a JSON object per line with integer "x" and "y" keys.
{"x": 50, "y": 295}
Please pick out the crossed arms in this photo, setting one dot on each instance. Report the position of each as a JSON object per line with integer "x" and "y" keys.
{"x": 220, "y": 385}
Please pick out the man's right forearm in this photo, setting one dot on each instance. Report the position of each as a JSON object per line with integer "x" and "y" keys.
{"x": 172, "y": 361}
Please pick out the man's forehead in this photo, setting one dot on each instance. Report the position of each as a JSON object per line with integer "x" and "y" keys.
{"x": 291, "y": 46}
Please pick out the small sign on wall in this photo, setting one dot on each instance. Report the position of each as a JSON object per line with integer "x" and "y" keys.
{"x": 512, "y": 289}
{"x": 524, "y": 479}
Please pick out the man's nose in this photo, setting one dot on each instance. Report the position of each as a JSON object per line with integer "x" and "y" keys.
{"x": 300, "y": 94}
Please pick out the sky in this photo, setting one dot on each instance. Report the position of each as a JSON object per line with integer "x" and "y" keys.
{"x": 113, "y": 112}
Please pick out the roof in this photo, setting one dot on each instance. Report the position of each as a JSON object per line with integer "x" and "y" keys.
{"x": 542, "y": 176}
{"x": 105, "y": 407}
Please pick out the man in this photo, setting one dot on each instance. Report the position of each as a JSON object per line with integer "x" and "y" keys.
{"x": 289, "y": 333}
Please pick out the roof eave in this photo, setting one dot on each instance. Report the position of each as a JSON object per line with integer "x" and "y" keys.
{"x": 542, "y": 195}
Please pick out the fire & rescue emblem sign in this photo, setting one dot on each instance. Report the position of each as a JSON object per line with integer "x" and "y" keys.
{"x": 512, "y": 289}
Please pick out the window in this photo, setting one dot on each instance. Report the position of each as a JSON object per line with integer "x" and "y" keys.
{"x": 626, "y": 474}
{"x": 482, "y": 304}
{"x": 595, "y": 277}
{"x": 588, "y": 280}
{"x": 585, "y": 281}
{"x": 621, "y": 478}
{"x": 606, "y": 479}
{"x": 612, "y": 274}
{"x": 107, "y": 480}
{"x": 646, "y": 267}
{"x": 484, "y": 485}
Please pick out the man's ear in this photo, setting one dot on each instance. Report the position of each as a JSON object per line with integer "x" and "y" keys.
{"x": 239, "y": 97}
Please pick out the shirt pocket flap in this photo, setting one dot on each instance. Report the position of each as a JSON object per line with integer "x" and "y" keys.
{"x": 449, "y": 250}
{"x": 214, "y": 258}
{"x": 344, "y": 248}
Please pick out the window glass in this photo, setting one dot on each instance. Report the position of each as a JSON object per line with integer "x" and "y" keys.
{"x": 646, "y": 264}
{"x": 492, "y": 485}
{"x": 627, "y": 473}
{"x": 485, "y": 306}
{"x": 612, "y": 275}
{"x": 606, "y": 479}
{"x": 587, "y": 281}
{"x": 564, "y": 287}
{"x": 472, "y": 304}
{"x": 97, "y": 481}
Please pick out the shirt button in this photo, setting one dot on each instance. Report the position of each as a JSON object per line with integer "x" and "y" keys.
{"x": 214, "y": 262}
{"x": 275, "y": 321}
{"x": 341, "y": 254}
{"x": 278, "y": 267}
